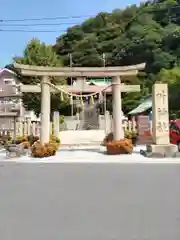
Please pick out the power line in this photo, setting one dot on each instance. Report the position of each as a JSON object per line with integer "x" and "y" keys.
{"x": 38, "y": 24}
{"x": 48, "y": 24}
{"x": 37, "y": 31}
{"x": 77, "y": 16}
{"x": 123, "y": 29}
{"x": 44, "y": 24}
{"x": 46, "y": 18}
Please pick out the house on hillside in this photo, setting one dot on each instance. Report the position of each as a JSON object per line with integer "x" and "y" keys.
{"x": 10, "y": 95}
{"x": 9, "y": 92}
{"x": 8, "y": 75}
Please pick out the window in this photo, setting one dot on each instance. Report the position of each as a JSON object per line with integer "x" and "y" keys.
{"x": 8, "y": 81}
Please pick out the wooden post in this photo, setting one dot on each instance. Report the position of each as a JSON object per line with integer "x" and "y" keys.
{"x": 107, "y": 122}
{"x": 34, "y": 129}
{"x": 25, "y": 128}
{"x": 21, "y": 128}
{"x": 56, "y": 124}
{"x": 14, "y": 135}
{"x": 51, "y": 128}
{"x": 29, "y": 126}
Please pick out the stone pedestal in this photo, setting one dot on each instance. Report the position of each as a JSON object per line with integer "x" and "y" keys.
{"x": 161, "y": 151}
{"x": 161, "y": 146}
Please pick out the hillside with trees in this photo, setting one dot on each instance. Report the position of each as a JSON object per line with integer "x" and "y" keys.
{"x": 147, "y": 33}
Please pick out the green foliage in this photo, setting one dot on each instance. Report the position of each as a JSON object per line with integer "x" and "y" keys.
{"x": 32, "y": 139}
{"x": 55, "y": 139}
{"x": 40, "y": 151}
{"x": 152, "y": 36}
{"x": 172, "y": 77}
{"x": 61, "y": 119}
{"x": 40, "y": 54}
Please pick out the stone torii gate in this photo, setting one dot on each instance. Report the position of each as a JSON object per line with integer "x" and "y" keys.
{"x": 81, "y": 73}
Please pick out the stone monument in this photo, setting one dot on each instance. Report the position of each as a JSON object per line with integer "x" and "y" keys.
{"x": 161, "y": 146}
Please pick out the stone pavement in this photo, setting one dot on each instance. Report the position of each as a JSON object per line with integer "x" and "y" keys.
{"x": 89, "y": 201}
{"x": 91, "y": 154}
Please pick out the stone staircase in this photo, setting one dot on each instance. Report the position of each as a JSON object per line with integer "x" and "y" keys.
{"x": 82, "y": 137}
{"x": 91, "y": 137}
{"x": 143, "y": 140}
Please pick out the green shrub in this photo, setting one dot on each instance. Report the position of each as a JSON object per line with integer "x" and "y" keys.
{"x": 32, "y": 139}
{"x": 54, "y": 139}
{"x": 61, "y": 119}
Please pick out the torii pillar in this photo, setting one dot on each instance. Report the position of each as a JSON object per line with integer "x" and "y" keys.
{"x": 45, "y": 110}
{"x": 117, "y": 109}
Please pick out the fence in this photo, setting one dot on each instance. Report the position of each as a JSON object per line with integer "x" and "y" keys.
{"x": 106, "y": 122}
{"x": 131, "y": 126}
{"x": 24, "y": 128}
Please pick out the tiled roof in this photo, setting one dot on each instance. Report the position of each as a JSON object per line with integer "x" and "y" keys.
{"x": 145, "y": 105}
{"x": 6, "y": 69}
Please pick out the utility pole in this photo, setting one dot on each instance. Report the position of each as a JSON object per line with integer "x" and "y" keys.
{"x": 104, "y": 65}
{"x": 71, "y": 64}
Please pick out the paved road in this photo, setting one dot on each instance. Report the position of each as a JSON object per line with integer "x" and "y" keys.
{"x": 89, "y": 202}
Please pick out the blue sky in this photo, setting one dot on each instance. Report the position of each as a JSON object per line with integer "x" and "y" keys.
{"x": 13, "y": 43}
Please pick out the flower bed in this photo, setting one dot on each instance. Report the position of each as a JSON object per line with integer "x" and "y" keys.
{"x": 26, "y": 144}
{"x": 32, "y": 139}
{"x": 4, "y": 139}
{"x": 128, "y": 135}
{"x": 46, "y": 150}
{"x": 123, "y": 146}
{"x": 107, "y": 139}
{"x": 24, "y": 139}
{"x": 37, "y": 149}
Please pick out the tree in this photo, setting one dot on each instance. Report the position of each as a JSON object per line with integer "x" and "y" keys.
{"x": 40, "y": 54}
{"x": 147, "y": 33}
{"x": 172, "y": 78}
